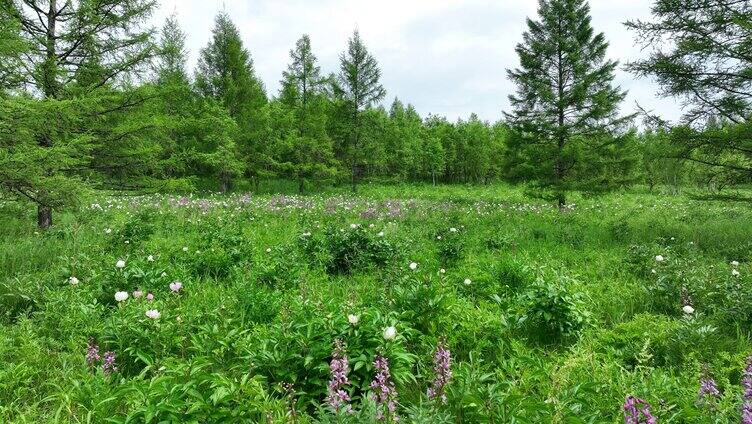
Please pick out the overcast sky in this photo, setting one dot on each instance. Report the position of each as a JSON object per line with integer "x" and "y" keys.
{"x": 446, "y": 57}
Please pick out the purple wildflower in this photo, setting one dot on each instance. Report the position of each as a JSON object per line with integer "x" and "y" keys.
{"x": 92, "y": 353}
{"x": 708, "y": 392}
{"x": 747, "y": 383}
{"x": 637, "y": 411}
{"x": 108, "y": 364}
{"x": 384, "y": 392}
{"x": 442, "y": 362}
{"x": 338, "y": 397}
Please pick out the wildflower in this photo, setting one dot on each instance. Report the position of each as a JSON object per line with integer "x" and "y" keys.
{"x": 121, "y": 296}
{"x": 120, "y": 264}
{"x": 92, "y": 353}
{"x": 659, "y": 258}
{"x": 175, "y": 286}
{"x": 747, "y": 384}
{"x": 108, "y": 364}
{"x": 150, "y": 258}
{"x": 380, "y": 234}
{"x": 708, "y": 391}
{"x": 413, "y": 266}
{"x": 442, "y": 362}
{"x": 468, "y": 281}
{"x": 149, "y": 296}
{"x": 268, "y": 249}
{"x": 185, "y": 248}
{"x": 735, "y": 272}
{"x": 354, "y": 226}
{"x": 442, "y": 271}
{"x": 453, "y": 230}
{"x": 353, "y": 319}
{"x": 688, "y": 309}
{"x": 137, "y": 294}
{"x": 637, "y": 411}
{"x": 337, "y": 397}
{"x": 384, "y": 392}
{"x": 108, "y": 230}
{"x": 390, "y": 333}
{"x": 153, "y": 314}
{"x": 735, "y": 264}
{"x": 73, "y": 281}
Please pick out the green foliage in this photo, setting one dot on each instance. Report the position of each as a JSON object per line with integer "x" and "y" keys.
{"x": 567, "y": 134}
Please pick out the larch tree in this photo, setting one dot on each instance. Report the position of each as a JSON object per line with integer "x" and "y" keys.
{"x": 74, "y": 48}
{"x": 564, "y": 119}
{"x": 701, "y": 53}
{"x": 305, "y": 153}
{"x": 225, "y": 73}
{"x": 360, "y": 87}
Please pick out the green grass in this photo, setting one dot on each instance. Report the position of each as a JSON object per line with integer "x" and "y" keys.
{"x": 566, "y": 313}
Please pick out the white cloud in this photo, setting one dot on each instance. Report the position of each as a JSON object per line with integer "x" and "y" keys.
{"x": 446, "y": 57}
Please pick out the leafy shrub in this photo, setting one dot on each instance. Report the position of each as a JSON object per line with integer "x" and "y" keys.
{"x": 343, "y": 250}
{"x": 551, "y": 310}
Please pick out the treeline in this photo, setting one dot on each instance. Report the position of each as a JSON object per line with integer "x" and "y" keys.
{"x": 90, "y": 97}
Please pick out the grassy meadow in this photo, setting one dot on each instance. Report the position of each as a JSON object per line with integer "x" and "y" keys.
{"x": 547, "y": 315}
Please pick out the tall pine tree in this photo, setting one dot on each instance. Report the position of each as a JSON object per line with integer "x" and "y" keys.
{"x": 75, "y": 48}
{"x": 359, "y": 88}
{"x": 225, "y": 73}
{"x": 564, "y": 115}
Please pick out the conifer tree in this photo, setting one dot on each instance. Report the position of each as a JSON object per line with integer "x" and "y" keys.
{"x": 70, "y": 44}
{"x": 360, "y": 88}
{"x": 565, "y": 113}
{"x": 225, "y": 73}
{"x": 306, "y": 153}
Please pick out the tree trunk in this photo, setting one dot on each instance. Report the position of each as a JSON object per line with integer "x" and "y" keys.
{"x": 301, "y": 185}
{"x": 44, "y": 217}
{"x": 224, "y": 184}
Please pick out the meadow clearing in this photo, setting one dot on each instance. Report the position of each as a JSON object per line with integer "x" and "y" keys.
{"x": 449, "y": 304}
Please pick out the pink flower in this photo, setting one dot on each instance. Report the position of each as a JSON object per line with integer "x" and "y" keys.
{"x": 149, "y": 296}
{"x": 137, "y": 294}
{"x": 175, "y": 286}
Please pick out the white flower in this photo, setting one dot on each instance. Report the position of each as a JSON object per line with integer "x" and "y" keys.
{"x": 268, "y": 249}
{"x": 108, "y": 230}
{"x": 353, "y": 319}
{"x": 354, "y": 226}
{"x": 735, "y": 272}
{"x": 185, "y": 248}
{"x": 150, "y": 258}
{"x": 175, "y": 286}
{"x": 413, "y": 266}
{"x": 735, "y": 263}
{"x": 137, "y": 294}
{"x": 468, "y": 281}
{"x": 442, "y": 271}
{"x": 127, "y": 242}
{"x": 380, "y": 234}
{"x": 688, "y": 309}
{"x": 438, "y": 237}
{"x": 153, "y": 313}
{"x": 73, "y": 281}
{"x": 453, "y": 230}
{"x": 659, "y": 258}
{"x": 120, "y": 264}
{"x": 390, "y": 333}
{"x": 121, "y": 296}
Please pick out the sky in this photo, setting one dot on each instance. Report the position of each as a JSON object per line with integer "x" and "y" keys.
{"x": 445, "y": 57}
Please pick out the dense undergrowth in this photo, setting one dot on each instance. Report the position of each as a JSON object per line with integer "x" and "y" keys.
{"x": 548, "y": 316}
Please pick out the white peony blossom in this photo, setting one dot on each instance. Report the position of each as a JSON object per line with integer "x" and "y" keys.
{"x": 390, "y": 333}
{"x": 120, "y": 264}
{"x": 413, "y": 266}
{"x": 353, "y": 319}
{"x": 468, "y": 281}
{"x": 121, "y": 296}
